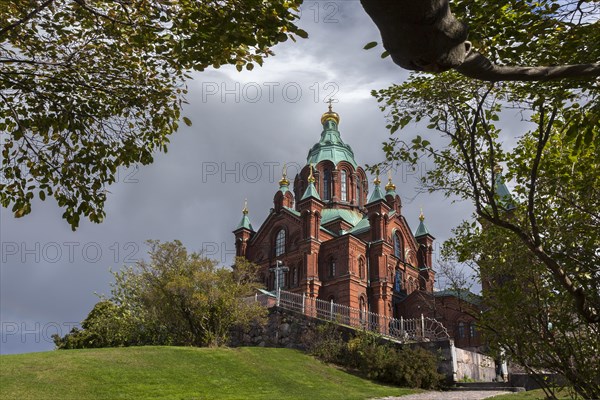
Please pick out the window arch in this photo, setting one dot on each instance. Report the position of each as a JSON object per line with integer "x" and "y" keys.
{"x": 472, "y": 329}
{"x": 332, "y": 267}
{"x": 362, "y": 309}
{"x": 361, "y": 268}
{"x": 461, "y": 330}
{"x": 280, "y": 243}
{"x": 344, "y": 187}
{"x": 398, "y": 246}
{"x": 398, "y": 280}
{"x": 327, "y": 184}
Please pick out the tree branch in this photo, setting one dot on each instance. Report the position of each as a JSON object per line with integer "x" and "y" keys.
{"x": 26, "y": 18}
{"x": 479, "y": 67}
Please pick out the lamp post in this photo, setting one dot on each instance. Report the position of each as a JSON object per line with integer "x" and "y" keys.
{"x": 278, "y": 269}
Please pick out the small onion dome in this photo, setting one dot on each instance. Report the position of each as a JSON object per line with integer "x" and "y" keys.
{"x": 421, "y": 216}
{"x": 284, "y": 180}
{"x": 390, "y": 187}
{"x": 330, "y": 115}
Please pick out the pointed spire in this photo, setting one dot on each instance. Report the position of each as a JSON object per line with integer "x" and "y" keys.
{"x": 505, "y": 198}
{"x": 284, "y": 182}
{"x": 377, "y": 193}
{"x": 311, "y": 190}
{"x": 422, "y": 229}
{"x": 245, "y": 222}
{"x": 390, "y": 187}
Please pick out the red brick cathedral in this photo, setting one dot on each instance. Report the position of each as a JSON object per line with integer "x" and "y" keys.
{"x": 336, "y": 242}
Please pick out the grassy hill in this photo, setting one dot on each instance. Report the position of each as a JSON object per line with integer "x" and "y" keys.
{"x": 180, "y": 373}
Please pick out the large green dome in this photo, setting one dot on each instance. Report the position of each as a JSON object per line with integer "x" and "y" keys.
{"x": 331, "y": 147}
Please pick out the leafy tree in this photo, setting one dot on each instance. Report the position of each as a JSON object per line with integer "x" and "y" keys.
{"x": 528, "y": 318}
{"x": 89, "y": 86}
{"x": 510, "y": 40}
{"x": 176, "y": 298}
{"x": 555, "y": 203}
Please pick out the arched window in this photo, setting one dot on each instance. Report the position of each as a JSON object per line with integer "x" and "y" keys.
{"x": 358, "y": 195}
{"x": 361, "y": 268}
{"x": 327, "y": 184}
{"x": 398, "y": 281}
{"x": 398, "y": 246}
{"x": 344, "y": 190}
{"x": 472, "y": 330}
{"x": 362, "y": 309}
{"x": 280, "y": 243}
{"x": 295, "y": 277}
{"x": 332, "y": 267}
{"x": 461, "y": 330}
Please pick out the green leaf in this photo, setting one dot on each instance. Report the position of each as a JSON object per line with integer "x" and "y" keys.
{"x": 370, "y": 45}
{"x": 187, "y": 121}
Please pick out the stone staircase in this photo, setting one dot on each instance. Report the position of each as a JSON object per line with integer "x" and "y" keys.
{"x": 495, "y": 386}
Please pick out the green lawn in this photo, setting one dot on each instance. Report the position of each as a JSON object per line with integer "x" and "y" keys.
{"x": 531, "y": 395}
{"x": 180, "y": 373}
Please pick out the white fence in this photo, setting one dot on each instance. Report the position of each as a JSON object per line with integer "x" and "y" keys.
{"x": 404, "y": 330}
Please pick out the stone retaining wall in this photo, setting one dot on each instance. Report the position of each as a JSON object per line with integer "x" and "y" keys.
{"x": 290, "y": 329}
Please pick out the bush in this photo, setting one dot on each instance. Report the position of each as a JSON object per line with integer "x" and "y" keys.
{"x": 376, "y": 360}
{"x": 326, "y": 344}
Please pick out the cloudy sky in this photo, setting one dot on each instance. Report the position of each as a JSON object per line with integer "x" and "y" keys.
{"x": 245, "y": 127}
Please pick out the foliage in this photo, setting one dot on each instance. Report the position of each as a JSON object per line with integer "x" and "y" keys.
{"x": 87, "y": 87}
{"x": 107, "y": 325}
{"x": 176, "y": 298}
{"x": 366, "y": 353}
{"x": 527, "y": 317}
{"x": 181, "y": 373}
{"x": 551, "y": 219}
{"x": 507, "y": 40}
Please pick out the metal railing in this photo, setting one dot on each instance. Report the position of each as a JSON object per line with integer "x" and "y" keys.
{"x": 400, "y": 329}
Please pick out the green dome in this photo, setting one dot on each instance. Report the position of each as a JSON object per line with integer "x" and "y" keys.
{"x": 331, "y": 147}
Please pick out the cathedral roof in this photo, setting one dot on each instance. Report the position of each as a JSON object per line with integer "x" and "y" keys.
{"x": 422, "y": 229}
{"x": 505, "y": 198}
{"x": 331, "y": 147}
{"x": 377, "y": 192}
{"x": 311, "y": 191}
{"x": 245, "y": 222}
{"x": 331, "y": 214}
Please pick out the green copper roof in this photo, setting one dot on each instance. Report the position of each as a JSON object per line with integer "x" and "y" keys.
{"x": 245, "y": 223}
{"x": 296, "y": 213}
{"x": 422, "y": 230}
{"x": 361, "y": 227}
{"x": 331, "y": 147}
{"x": 311, "y": 191}
{"x": 331, "y": 214}
{"x": 376, "y": 195}
{"x": 505, "y": 198}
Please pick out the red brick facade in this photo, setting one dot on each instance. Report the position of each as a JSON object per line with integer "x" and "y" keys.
{"x": 337, "y": 242}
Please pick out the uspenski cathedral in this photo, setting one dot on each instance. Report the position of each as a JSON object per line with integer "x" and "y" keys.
{"x": 334, "y": 240}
